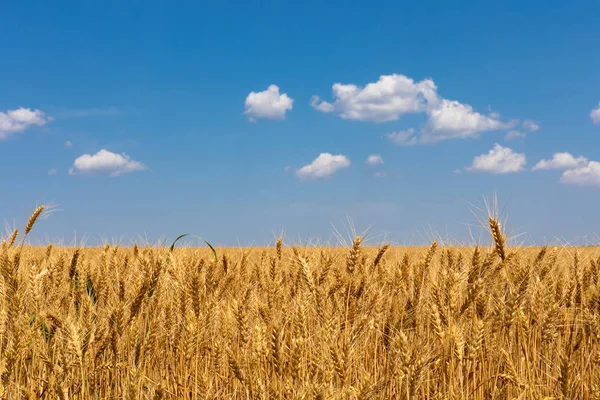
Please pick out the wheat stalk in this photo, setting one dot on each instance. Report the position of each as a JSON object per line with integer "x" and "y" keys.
{"x": 33, "y": 219}
{"x": 499, "y": 239}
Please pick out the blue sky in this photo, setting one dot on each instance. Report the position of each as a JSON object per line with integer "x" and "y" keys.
{"x": 242, "y": 120}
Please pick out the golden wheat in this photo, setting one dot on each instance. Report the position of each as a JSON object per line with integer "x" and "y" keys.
{"x": 300, "y": 323}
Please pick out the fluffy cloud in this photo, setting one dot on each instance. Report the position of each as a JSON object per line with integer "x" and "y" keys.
{"x": 14, "y": 121}
{"x": 374, "y": 159}
{"x": 561, "y": 161}
{"x": 454, "y": 120}
{"x": 105, "y": 162}
{"x": 323, "y": 166}
{"x": 578, "y": 170}
{"x": 267, "y": 104}
{"x": 403, "y": 138}
{"x": 395, "y": 95}
{"x": 530, "y": 126}
{"x": 587, "y": 175}
{"x": 595, "y": 115}
{"x": 499, "y": 160}
{"x": 385, "y": 100}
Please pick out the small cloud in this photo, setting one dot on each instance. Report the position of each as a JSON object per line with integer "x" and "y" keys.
{"x": 323, "y": 106}
{"x": 454, "y": 120}
{"x": 105, "y": 162}
{"x": 287, "y": 168}
{"x": 588, "y": 175}
{"x": 380, "y": 174}
{"x": 267, "y": 104}
{"x": 514, "y": 134}
{"x": 403, "y": 138}
{"x": 458, "y": 171}
{"x": 323, "y": 166}
{"x": 68, "y": 144}
{"x": 561, "y": 161}
{"x": 14, "y": 121}
{"x": 374, "y": 159}
{"x": 530, "y": 126}
{"x": 53, "y": 171}
{"x": 499, "y": 160}
{"x": 595, "y": 115}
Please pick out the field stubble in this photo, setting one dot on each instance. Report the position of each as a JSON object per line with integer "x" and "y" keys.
{"x": 311, "y": 323}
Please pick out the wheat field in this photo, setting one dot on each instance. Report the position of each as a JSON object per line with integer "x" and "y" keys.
{"x": 299, "y": 323}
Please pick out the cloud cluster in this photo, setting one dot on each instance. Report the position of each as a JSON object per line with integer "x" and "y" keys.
{"x": 323, "y": 166}
{"x": 577, "y": 170}
{"x": 388, "y": 99}
{"x": 395, "y": 95}
{"x": 105, "y": 162}
{"x": 503, "y": 160}
{"x": 268, "y": 104}
{"x": 14, "y": 121}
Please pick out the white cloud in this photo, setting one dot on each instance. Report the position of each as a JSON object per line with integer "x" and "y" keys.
{"x": 578, "y": 170}
{"x": 374, "y": 159}
{"x": 454, "y": 120}
{"x": 384, "y": 100}
{"x": 267, "y": 104}
{"x": 588, "y": 175}
{"x": 561, "y": 161}
{"x": 595, "y": 115}
{"x": 403, "y": 138}
{"x": 53, "y": 171}
{"x": 323, "y": 166}
{"x": 105, "y": 162}
{"x": 499, "y": 160}
{"x": 530, "y": 126}
{"x": 18, "y": 120}
{"x": 514, "y": 134}
{"x": 394, "y": 95}
{"x": 380, "y": 174}
{"x": 68, "y": 144}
